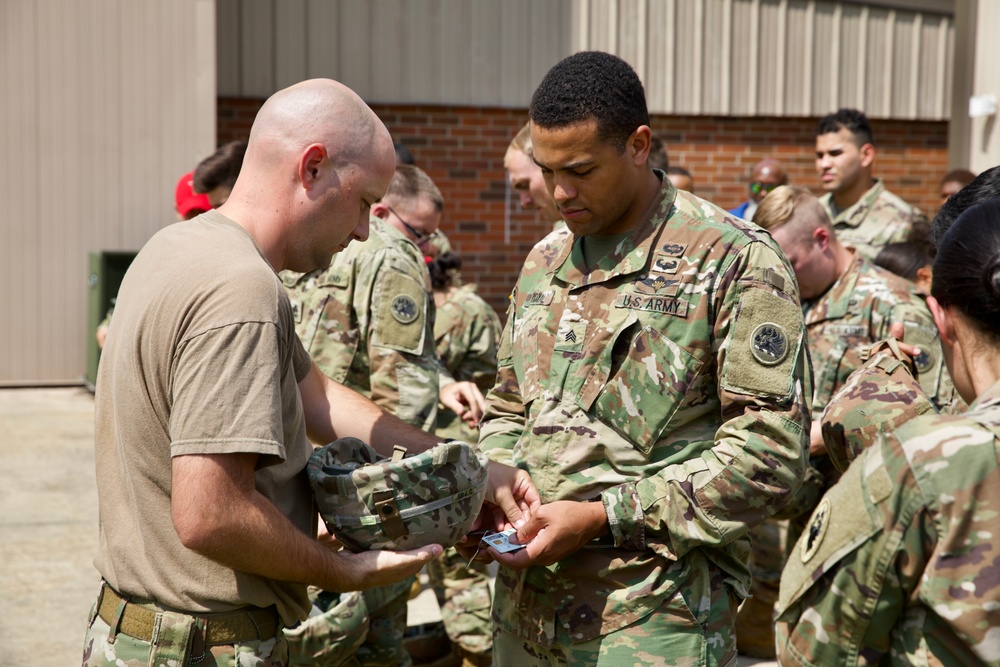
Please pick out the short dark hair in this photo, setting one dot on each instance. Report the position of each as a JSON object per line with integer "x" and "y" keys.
{"x": 679, "y": 171}
{"x": 984, "y": 186}
{"x": 967, "y": 268}
{"x": 961, "y": 176}
{"x": 221, "y": 168}
{"x": 592, "y": 85}
{"x": 854, "y": 121}
{"x": 403, "y": 154}
{"x": 443, "y": 269}
{"x": 411, "y": 182}
{"x": 904, "y": 258}
{"x": 659, "y": 158}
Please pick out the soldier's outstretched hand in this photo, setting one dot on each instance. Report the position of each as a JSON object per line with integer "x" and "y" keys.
{"x": 554, "y": 531}
{"x": 371, "y": 569}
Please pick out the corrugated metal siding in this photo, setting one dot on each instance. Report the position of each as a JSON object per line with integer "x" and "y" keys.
{"x": 712, "y": 57}
{"x": 105, "y": 105}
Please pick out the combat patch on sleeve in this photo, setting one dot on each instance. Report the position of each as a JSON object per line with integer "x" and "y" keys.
{"x": 404, "y": 309}
{"x": 400, "y": 307}
{"x": 813, "y": 537}
{"x": 769, "y": 344}
{"x": 763, "y": 345}
{"x": 838, "y": 526}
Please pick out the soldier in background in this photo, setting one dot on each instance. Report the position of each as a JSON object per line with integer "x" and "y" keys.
{"x": 681, "y": 178}
{"x": 765, "y": 176}
{"x": 953, "y": 181}
{"x": 865, "y": 214}
{"x": 650, "y": 377}
{"x": 893, "y": 568}
{"x": 216, "y": 175}
{"x": 366, "y": 322}
{"x": 466, "y": 333}
{"x": 525, "y": 178}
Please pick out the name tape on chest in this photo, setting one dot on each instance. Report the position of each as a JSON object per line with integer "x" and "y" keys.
{"x": 847, "y": 330}
{"x": 657, "y": 304}
{"x": 539, "y": 298}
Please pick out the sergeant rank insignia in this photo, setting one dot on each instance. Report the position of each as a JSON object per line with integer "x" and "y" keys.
{"x": 404, "y": 309}
{"x": 769, "y": 344}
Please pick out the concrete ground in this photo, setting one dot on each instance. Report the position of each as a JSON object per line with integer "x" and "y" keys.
{"x": 48, "y": 528}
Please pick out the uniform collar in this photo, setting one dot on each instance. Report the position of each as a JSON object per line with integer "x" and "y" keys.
{"x": 989, "y": 397}
{"x": 854, "y": 215}
{"x": 832, "y": 304}
{"x": 630, "y": 256}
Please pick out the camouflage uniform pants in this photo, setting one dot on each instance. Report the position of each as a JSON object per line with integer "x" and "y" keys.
{"x": 171, "y": 647}
{"x": 333, "y": 633}
{"x": 668, "y": 637}
{"x": 386, "y": 625}
{"x": 463, "y": 592}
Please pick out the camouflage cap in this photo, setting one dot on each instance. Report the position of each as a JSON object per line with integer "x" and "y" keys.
{"x": 372, "y": 502}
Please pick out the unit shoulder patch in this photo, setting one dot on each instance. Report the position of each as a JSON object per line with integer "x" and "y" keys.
{"x": 769, "y": 344}
{"x": 404, "y": 309}
{"x": 816, "y": 531}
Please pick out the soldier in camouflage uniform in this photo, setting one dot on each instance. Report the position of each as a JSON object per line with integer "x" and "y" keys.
{"x": 848, "y": 305}
{"x": 366, "y": 322}
{"x": 652, "y": 380}
{"x": 466, "y": 332}
{"x": 865, "y": 215}
{"x": 896, "y": 566}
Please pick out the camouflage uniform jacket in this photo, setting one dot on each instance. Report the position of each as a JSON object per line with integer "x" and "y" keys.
{"x": 880, "y": 396}
{"x": 367, "y": 322}
{"x": 667, "y": 382}
{"x": 898, "y": 563}
{"x": 856, "y": 312}
{"x": 466, "y": 333}
{"x": 874, "y": 221}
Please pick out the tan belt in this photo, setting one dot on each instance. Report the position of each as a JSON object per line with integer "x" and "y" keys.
{"x": 234, "y": 627}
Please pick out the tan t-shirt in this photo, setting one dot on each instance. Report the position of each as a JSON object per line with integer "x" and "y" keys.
{"x": 203, "y": 359}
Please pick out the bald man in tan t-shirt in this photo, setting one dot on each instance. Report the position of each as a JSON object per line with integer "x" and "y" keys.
{"x": 205, "y": 398}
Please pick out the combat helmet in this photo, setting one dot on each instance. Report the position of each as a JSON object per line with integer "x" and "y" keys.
{"x": 372, "y": 502}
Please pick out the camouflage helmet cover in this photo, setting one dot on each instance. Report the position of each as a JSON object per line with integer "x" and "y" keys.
{"x": 372, "y": 502}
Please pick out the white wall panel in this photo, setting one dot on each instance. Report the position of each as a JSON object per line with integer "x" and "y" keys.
{"x": 742, "y": 57}
{"x": 105, "y": 104}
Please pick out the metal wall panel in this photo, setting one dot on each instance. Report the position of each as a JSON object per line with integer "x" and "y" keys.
{"x": 106, "y": 104}
{"x": 732, "y": 57}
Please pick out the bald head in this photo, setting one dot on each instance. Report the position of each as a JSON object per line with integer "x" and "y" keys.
{"x": 316, "y": 111}
{"x": 317, "y": 159}
{"x": 765, "y": 176}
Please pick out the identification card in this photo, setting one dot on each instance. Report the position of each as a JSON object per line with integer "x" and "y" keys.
{"x": 501, "y": 541}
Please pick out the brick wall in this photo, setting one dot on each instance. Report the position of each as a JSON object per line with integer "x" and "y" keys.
{"x": 462, "y": 150}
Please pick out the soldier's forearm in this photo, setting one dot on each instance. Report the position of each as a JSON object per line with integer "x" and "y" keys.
{"x": 333, "y": 411}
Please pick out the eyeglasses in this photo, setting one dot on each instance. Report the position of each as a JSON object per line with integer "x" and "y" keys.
{"x": 757, "y": 187}
{"x": 419, "y": 237}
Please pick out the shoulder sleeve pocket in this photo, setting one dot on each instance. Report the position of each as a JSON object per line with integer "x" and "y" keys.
{"x": 764, "y": 345}
{"x": 400, "y": 313}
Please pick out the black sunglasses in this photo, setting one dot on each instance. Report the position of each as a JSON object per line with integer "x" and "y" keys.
{"x": 419, "y": 237}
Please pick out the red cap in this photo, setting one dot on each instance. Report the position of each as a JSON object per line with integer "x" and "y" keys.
{"x": 185, "y": 199}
